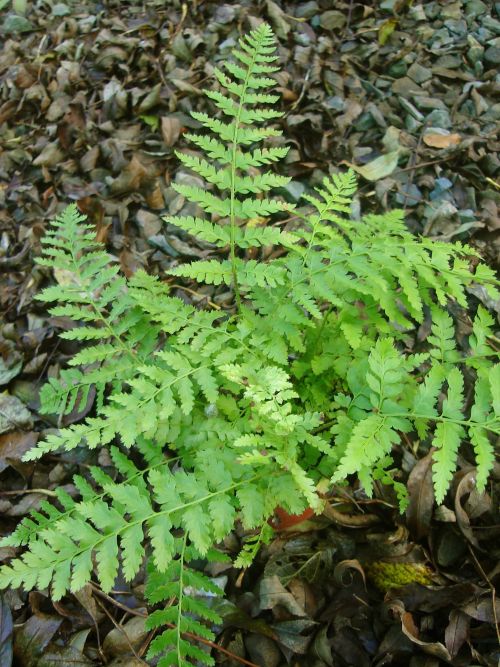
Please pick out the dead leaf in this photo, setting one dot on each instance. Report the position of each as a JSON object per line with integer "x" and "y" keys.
{"x": 272, "y": 593}
{"x": 290, "y": 634}
{"x": 33, "y": 637}
{"x": 170, "y": 130}
{"x": 50, "y": 156}
{"x": 131, "y": 634}
{"x": 64, "y": 656}
{"x": 410, "y": 630}
{"x": 378, "y": 168}
{"x": 457, "y": 631}
{"x": 14, "y": 445}
{"x": 441, "y": 140}
{"x": 263, "y": 651}
{"x": 13, "y": 414}
{"x": 347, "y": 566}
{"x": 132, "y": 177}
{"x": 386, "y": 30}
{"x": 6, "y": 630}
{"x": 466, "y": 485}
{"x": 278, "y": 19}
{"x": 353, "y": 111}
{"x": 421, "y": 492}
{"x": 429, "y": 599}
{"x": 483, "y": 610}
{"x": 435, "y": 649}
{"x": 86, "y": 599}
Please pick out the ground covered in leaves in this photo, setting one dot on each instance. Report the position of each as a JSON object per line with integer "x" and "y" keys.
{"x": 94, "y": 99}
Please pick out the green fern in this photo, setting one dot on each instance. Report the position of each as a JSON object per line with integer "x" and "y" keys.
{"x": 233, "y": 414}
{"x": 233, "y": 153}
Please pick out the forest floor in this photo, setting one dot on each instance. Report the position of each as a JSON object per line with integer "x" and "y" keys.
{"x": 94, "y": 100}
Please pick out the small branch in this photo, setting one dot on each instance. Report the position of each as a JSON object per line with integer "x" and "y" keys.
{"x": 21, "y": 492}
{"x": 119, "y": 628}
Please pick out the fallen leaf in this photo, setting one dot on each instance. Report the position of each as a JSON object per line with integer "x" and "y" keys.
{"x": 379, "y": 168}
{"x": 421, "y": 492}
{"x": 272, "y": 593}
{"x": 348, "y": 566}
{"x": 441, "y": 140}
{"x": 13, "y": 414}
{"x": 33, "y": 637}
{"x": 64, "y": 656}
{"x": 14, "y": 445}
{"x": 170, "y": 130}
{"x": 457, "y": 631}
{"x": 120, "y": 639}
{"x": 482, "y": 610}
{"x": 386, "y": 30}
{"x": 6, "y": 630}
{"x": 410, "y": 630}
{"x": 278, "y": 18}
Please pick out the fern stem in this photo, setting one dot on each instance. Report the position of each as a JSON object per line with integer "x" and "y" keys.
{"x": 180, "y": 599}
{"x": 321, "y": 328}
{"x": 435, "y": 418}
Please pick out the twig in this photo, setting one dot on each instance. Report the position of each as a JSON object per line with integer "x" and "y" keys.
{"x": 184, "y": 11}
{"x": 491, "y": 587}
{"x": 423, "y": 164}
{"x": 21, "y": 492}
{"x": 118, "y": 627}
{"x": 349, "y": 520}
{"x": 194, "y": 293}
{"x": 123, "y": 607}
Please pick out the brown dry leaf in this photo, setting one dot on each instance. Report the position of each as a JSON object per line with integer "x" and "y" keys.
{"x": 483, "y": 610}
{"x": 132, "y": 177}
{"x": 170, "y": 130}
{"x": 33, "y": 637}
{"x": 347, "y": 566}
{"x": 410, "y": 629}
{"x": 131, "y": 634}
{"x": 421, "y": 492}
{"x": 272, "y": 593}
{"x": 429, "y": 599}
{"x": 50, "y": 156}
{"x": 14, "y": 445}
{"x": 435, "y": 649}
{"x": 457, "y": 631}
{"x": 353, "y": 110}
{"x": 86, "y": 599}
{"x": 6, "y": 631}
{"x": 466, "y": 485}
{"x": 13, "y": 414}
{"x": 435, "y": 140}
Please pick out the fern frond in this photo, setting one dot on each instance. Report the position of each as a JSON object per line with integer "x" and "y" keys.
{"x": 111, "y": 524}
{"x": 448, "y": 435}
{"x": 185, "y": 590}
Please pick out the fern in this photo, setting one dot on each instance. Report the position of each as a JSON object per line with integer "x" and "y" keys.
{"x": 242, "y": 85}
{"x": 231, "y": 414}
{"x": 183, "y": 615}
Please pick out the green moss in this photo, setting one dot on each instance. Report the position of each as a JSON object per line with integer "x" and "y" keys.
{"x": 393, "y": 575}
